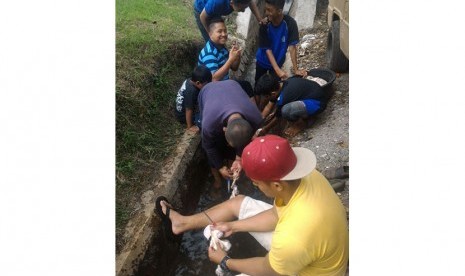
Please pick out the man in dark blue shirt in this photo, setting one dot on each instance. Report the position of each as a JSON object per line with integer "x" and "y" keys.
{"x": 187, "y": 110}
{"x": 296, "y": 99}
{"x": 274, "y": 38}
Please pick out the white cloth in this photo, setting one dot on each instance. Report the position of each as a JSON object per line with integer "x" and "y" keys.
{"x": 250, "y": 207}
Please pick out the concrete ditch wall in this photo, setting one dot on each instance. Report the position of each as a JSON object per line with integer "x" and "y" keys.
{"x": 142, "y": 228}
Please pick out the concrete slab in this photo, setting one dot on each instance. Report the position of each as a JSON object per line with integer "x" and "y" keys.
{"x": 287, "y": 6}
{"x": 242, "y": 22}
{"x": 304, "y": 13}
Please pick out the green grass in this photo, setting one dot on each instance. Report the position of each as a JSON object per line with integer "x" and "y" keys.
{"x": 156, "y": 48}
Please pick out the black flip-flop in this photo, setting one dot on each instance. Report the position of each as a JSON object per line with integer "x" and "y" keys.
{"x": 165, "y": 218}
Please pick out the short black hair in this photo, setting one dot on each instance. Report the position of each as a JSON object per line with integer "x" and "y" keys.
{"x": 277, "y": 3}
{"x": 214, "y": 20}
{"x": 238, "y": 133}
{"x": 201, "y": 74}
{"x": 266, "y": 84}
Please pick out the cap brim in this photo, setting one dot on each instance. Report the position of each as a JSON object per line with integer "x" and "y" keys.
{"x": 306, "y": 163}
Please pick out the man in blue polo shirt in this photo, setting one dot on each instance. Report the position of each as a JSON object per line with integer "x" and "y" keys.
{"x": 274, "y": 38}
{"x": 215, "y": 56}
{"x": 204, "y": 10}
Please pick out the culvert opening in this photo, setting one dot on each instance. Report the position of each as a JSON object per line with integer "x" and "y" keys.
{"x": 188, "y": 255}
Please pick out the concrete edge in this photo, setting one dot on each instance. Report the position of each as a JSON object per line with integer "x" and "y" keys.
{"x": 141, "y": 226}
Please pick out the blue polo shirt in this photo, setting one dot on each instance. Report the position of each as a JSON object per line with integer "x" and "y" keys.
{"x": 213, "y": 58}
{"x": 276, "y": 38}
{"x": 214, "y": 7}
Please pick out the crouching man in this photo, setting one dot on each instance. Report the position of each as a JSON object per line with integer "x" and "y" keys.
{"x": 305, "y": 230}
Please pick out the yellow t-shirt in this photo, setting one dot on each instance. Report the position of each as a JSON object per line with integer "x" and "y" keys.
{"x": 311, "y": 237}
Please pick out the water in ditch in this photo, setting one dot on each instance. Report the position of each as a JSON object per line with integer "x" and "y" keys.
{"x": 189, "y": 254}
{"x": 193, "y": 248}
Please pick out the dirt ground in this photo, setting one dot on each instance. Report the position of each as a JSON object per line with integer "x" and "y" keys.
{"x": 328, "y": 137}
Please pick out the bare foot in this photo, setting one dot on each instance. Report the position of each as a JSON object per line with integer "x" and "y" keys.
{"x": 294, "y": 128}
{"x": 175, "y": 217}
{"x": 298, "y": 126}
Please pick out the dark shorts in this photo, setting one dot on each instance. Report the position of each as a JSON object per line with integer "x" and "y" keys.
{"x": 300, "y": 109}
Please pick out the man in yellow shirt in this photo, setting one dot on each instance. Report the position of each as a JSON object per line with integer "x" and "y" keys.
{"x": 305, "y": 230}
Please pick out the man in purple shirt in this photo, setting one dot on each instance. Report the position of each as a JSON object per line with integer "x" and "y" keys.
{"x": 229, "y": 120}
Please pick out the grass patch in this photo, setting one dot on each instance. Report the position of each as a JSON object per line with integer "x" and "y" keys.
{"x": 156, "y": 48}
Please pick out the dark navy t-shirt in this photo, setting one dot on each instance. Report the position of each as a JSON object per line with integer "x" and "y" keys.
{"x": 214, "y": 7}
{"x": 186, "y": 98}
{"x": 297, "y": 89}
{"x": 276, "y": 38}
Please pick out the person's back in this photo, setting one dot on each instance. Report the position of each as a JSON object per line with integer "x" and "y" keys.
{"x": 218, "y": 100}
{"x": 180, "y": 110}
{"x": 187, "y": 110}
{"x": 297, "y": 89}
{"x": 312, "y": 229}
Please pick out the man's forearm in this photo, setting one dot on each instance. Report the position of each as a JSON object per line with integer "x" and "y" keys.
{"x": 235, "y": 65}
{"x": 267, "y": 110}
{"x": 189, "y": 115}
{"x": 270, "y": 125}
{"x": 262, "y": 222}
{"x": 222, "y": 71}
{"x": 293, "y": 52}
{"x": 254, "y": 9}
{"x": 203, "y": 18}
{"x": 272, "y": 60}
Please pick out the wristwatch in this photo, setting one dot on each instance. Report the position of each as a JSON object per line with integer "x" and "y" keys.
{"x": 223, "y": 265}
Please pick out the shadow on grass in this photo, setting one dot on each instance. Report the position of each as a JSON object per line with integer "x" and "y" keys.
{"x": 146, "y": 129}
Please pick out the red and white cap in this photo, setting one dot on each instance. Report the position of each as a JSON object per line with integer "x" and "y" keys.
{"x": 271, "y": 158}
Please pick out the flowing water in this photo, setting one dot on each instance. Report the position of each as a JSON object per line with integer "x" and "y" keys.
{"x": 189, "y": 255}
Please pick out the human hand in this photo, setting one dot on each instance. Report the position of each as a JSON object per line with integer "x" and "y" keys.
{"x": 301, "y": 72}
{"x": 282, "y": 75}
{"x": 216, "y": 255}
{"x": 236, "y": 167}
{"x": 225, "y": 172}
{"x": 235, "y": 52}
{"x": 263, "y": 21}
{"x": 225, "y": 227}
